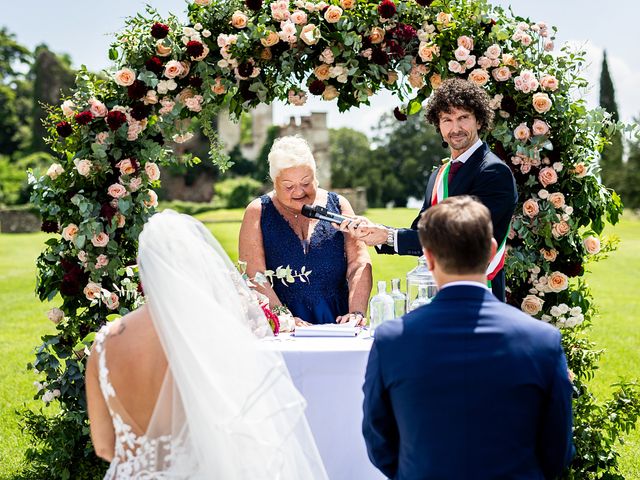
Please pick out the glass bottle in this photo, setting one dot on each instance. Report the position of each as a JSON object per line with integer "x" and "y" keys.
{"x": 380, "y": 307}
{"x": 423, "y": 298}
{"x": 399, "y": 298}
{"x": 420, "y": 277}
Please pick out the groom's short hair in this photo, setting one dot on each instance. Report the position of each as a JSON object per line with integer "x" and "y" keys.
{"x": 458, "y": 232}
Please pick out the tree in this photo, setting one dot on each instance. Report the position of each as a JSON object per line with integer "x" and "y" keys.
{"x": 12, "y": 54}
{"x": 350, "y": 155}
{"x": 630, "y": 183}
{"x": 611, "y": 158}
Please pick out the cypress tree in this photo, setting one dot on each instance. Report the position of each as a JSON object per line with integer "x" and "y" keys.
{"x": 611, "y": 159}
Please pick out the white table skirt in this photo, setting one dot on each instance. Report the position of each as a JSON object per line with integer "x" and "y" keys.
{"x": 329, "y": 372}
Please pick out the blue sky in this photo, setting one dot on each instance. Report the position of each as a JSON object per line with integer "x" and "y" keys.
{"x": 84, "y": 28}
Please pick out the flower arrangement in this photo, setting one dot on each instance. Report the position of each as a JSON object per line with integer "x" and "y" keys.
{"x": 112, "y": 134}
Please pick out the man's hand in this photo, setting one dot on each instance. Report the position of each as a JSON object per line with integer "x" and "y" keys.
{"x": 357, "y": 318}
{"x": 363, "y": 229}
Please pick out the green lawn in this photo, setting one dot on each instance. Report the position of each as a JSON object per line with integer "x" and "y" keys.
{"x": 23, "y": 318}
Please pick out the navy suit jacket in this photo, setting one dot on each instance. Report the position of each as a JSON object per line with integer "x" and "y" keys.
{"x": 489, "y": 179}
{"x": 467, "y": 387}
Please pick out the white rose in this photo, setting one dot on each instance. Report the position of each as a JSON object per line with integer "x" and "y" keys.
{"x": 55, "y": 315}
{"x": 54, "y": 171}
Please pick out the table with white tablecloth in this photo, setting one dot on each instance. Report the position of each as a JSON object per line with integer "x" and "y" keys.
{"x": 329, "y": 372}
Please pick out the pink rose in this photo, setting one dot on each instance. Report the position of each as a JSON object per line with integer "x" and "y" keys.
{"x": 501, "y": 74}
{"x": 560, "y": 229}
{"x": 69, "y": 232}
{"x": 102, "y": 261}
{"x": 297, "y": 98}
{"x": 493, "y": 52}
{"x": 68, "y": 108}
{"x": 194, "y": 104}
{"x": 530, "y": 208}
{"x": 125, "y": 77}
{"x": 126, "y": 167}
{"x": 549, "y": 255}
{"x": 541, "y": 102}
{"x": 479, "y": 77}
{"x": 287, "y": 31}
{"x": 484, "y": 62}
{"x": 112, "y": 302}
{"x": 347, "y": 4}
{"x": 310, "y": 34}
{"x": 461, "y": 54}
{"x": 135, "y": 184}
{"x": 82, "y": 256}
{"x": 100, "y": 240}
{"x": 97, "y": 108}
{"x": 556, "y": 199}
{"x": 92, "y": 290}
{"x": 333, "y": 14}
{"x": 116, "y": 190}
{"x": 173, "y": 69}
{"x": 54, "y": 171}
{"x": 465, "y": 42}
{"x": 167, "y": 106}
{"x": 592, "y": 244}
{"x": 548, "y": 45}
{"x": 547, "y": 176}
{"x": 532, "y": 304}
{"x": 455, "y": 67}
{"x": 152, "y": 199}
{"x": 470, "y": 62}
{"x": 299, "y": 17}
{"x": 540, "y": 127}
{"x": 558, "y": 282}
{"x": 152, "y": 171}
{"x": 84, "y": 167}
{"x": 549, "y": 82}
{"x": 522, "y": 132}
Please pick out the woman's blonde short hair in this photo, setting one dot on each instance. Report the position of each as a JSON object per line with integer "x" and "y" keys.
{"x": 287, "y": 152}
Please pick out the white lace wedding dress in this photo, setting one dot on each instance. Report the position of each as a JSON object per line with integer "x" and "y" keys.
{"x": 227, "y": 409}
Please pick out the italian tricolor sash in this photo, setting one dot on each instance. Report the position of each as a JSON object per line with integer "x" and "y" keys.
{"x": 440, "y": 192}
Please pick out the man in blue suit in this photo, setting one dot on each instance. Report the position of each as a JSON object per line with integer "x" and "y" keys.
{"x": 466, "y": 387}
{"x": 461, "y": 112}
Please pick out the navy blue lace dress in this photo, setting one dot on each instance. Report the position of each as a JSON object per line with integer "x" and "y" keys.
{"x": 326, "y": 295}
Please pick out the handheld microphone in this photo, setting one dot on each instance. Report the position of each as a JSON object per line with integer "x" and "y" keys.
{"x": 321, "y": 213}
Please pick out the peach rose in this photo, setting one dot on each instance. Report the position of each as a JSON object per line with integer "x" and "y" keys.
{"x": 392, "y": 77}
{"x": 501, "y": 74}
{"x": 54, "y": 171}
{"x": 126, "y": 166}
{"x": 530, "y": 208}
{"x": 202, "y": 3}
{"x": 239, "y": 19}
{"x": 580, "y": 170}
{"x": 120, "y": 219}
{"x": 549, "y": 255}
{"x": 522, "y": 132}
{"x": 541, "y": 102}
{"x": 310, "y": 34}
{"x": 532, "y": 304}
{"x": 102, "y": 261}
{"x": 509, "y": 60}
{"x": 333, "y": 14}
{"x": 68, "y": 108}
{"x": 539, "y": 127}
{"x": 330, "y": 93}
{"x": 347, "y": 4}
{"x": 299, "y": 17}
{"x": 125, "y": 77}
{"x": 444, "y": 19}
{"x": 162, "y": 50}
{"x": 484, "y": 62}
{"x": 466, "y": 42}
{"x": 493, "y": 52}
{"x": 592, "y": 244}
{"x": 173, "y": 69}
{"x": 461, "y": 54}
{"x": 92, "y": 290}
{"x": 435, "y": 80}
{"x": 479, "y": 76}
{"x": 152, "y": 199}
{"x": 84, "y": 167}
{"x": 116, "y": 190}
{"x": 100, "y": 240}
{"x": 97, "y": 108}
{"x": 151, "y": 97}
{"x": 55, "y": 315}
{"x": 218, "y": 88}
{"x": 270, "y": 39}
{"x": 547, "y": 176}
{"x": 426, "y": 51}
{"x": 135, "y": 184}
{"x": 560, "y": 229}
{"x": 70, "y": 232}
{"x": 152, "y": 171}
{"x": 376, "y": 35}
{"x": 322, "y": 72}
{"x": 558, "y": 282}
{"x": 112, "y": 302}
{"x": 549, "y": 82}
{"x": 556, "y": 199}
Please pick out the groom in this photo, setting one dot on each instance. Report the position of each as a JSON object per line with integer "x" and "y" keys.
{"x": 466, "y": 387}
{"x": 461, "y": 112}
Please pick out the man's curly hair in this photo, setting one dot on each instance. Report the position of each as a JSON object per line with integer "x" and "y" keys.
{"x": 459, "y": 93}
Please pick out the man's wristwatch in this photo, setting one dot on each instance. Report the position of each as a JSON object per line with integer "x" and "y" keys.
{"x": 391, "y": 234}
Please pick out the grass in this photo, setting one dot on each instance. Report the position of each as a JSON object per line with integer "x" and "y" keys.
{"x": 23, "y": 318}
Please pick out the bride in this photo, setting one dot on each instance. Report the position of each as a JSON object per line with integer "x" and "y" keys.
{"x": 181, "y": 388}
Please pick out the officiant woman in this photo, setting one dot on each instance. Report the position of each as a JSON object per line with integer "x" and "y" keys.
{"x": 274, "y": 233}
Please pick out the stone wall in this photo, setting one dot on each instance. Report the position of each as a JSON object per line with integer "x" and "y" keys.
{"x": 19, "y": 221}
{"x": 357, "y": 198}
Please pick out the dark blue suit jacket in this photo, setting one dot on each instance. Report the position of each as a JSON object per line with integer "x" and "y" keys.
{"x": 488, "y": 178}
{"x": 467, "y": 387}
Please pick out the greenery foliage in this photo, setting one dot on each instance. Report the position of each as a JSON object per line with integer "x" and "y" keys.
{"x": 236, "y": 192}
{"x": 110, "y": 136}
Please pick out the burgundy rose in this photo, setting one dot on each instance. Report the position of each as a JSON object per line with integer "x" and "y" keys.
{"x": 49, "y": 226}
{"x": 159, "y": 30}
{"x": 245, "y": 69}
{"x": 379, "y": 56}
{"x": 424, "y": 3}
{"x": 137, "y": 90}
{"x": 64, "y": 129}
{"x": 158, "y": 138}
{"x": 402, "y": 117}
{"x": 83, "y": 118}
{"x": 500, "y": 151}
{"x": 317, "y": 87}
{"x": 509, "y": 105}
{"x": 403, "y": 32}
{"x": 387, "y": 9}
{"x": 571, "y": 268}
{"x": 195, "y": 81}
{"x": 107, "y": 211}
{"x": 140, "y": 288}
{"x": 254, "y": 5}
{"x": 115, "y": 119}
{"x": 395, "y": 49}
{"x": 195, "y": 48}
{"x": 154, "y": 64}
{"x": 140, "y": 111}
{"x": 489, "y": 26}
{"x": 74, "y": 278}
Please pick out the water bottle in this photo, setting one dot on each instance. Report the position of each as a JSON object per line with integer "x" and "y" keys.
{"x": 423, "y": 297}
{"x": 380, "y": 307}
{"x": 399, "y": 298}
{"x": 416, "y": 279}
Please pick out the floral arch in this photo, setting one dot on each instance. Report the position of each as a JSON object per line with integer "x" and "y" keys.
{"x": 114, "y": 131}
